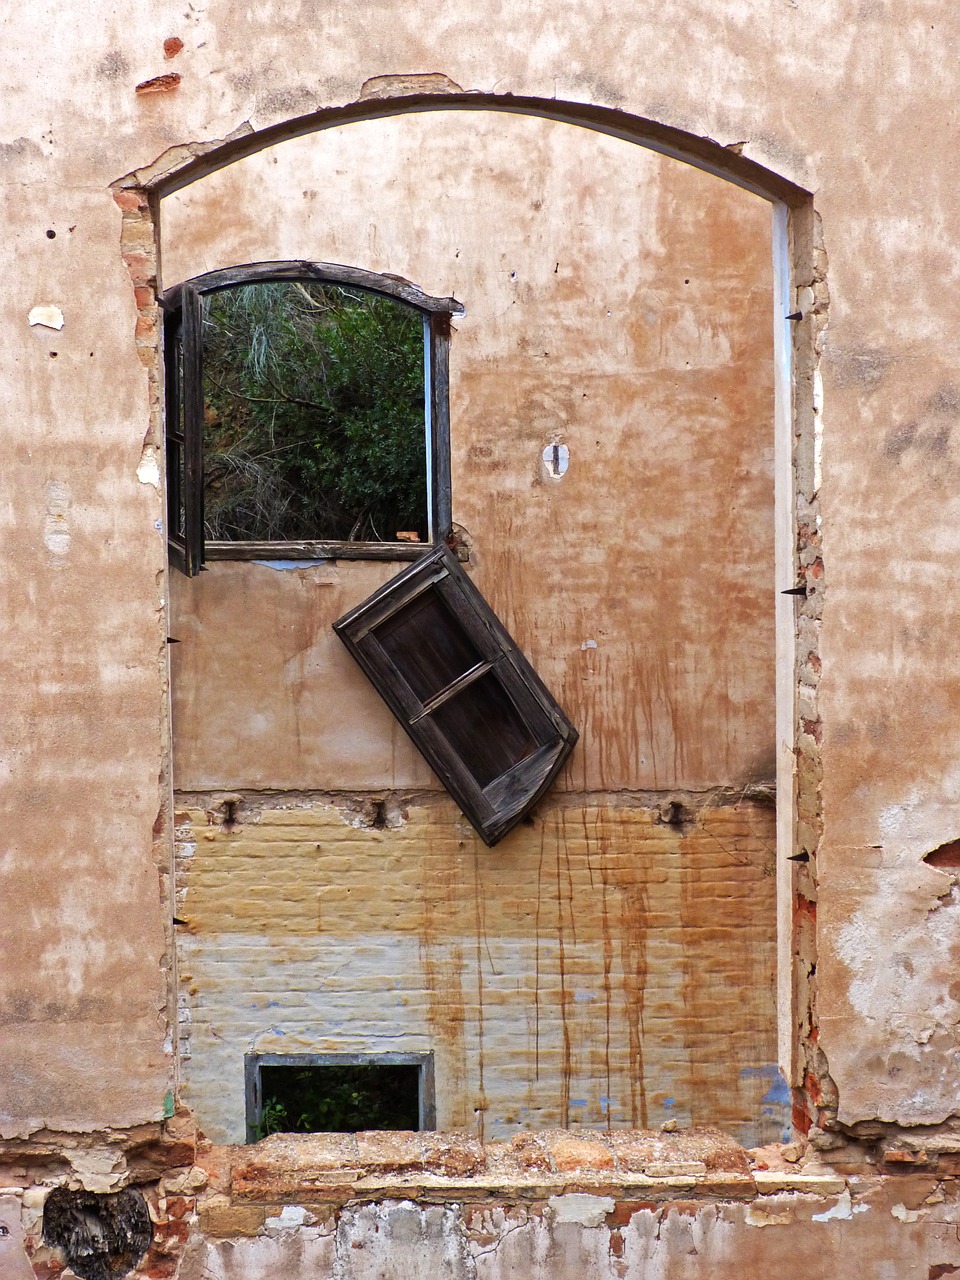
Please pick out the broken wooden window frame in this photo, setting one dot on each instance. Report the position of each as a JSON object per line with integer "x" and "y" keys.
{"x": 461, "y": 742}
{"x": 183, "y": 368}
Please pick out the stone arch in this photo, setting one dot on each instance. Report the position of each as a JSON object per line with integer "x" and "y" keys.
{"x": 182, "y": 165}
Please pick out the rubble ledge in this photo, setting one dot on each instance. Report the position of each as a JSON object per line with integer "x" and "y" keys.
{"x": 642, "y": 1165}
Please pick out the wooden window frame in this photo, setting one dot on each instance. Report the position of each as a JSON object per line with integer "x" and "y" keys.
{"x": 183, "y": 365}
{"x": 496, "y": 806}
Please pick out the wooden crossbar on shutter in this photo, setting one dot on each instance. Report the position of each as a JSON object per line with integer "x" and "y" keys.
{"x": 474, "y": 706}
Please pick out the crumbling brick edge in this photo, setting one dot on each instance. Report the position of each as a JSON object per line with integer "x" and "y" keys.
{"x": 195, "y": 1189}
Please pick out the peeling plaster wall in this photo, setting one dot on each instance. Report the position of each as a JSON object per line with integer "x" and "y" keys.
{"x": 918, "y": 1074}
{"x": 588, "y": 1223}
{"x": 591, "y": 1237}
{"x": 856, "y": 106}
{"x": 85, "y": 1036}
{"x": 618, "y": 303}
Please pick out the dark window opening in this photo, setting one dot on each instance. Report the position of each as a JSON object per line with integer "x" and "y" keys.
{"x": 307, "y": 415}
{"x": 338, "y": 1093}
{"x": 429, "y": 653}
{"x": 478, "y": 712}
{"x": 487, "y": 730}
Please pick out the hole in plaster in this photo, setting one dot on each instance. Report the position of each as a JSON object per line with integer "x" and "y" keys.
{"x": 338, "y": 1093}
{"x": 51, "y": 234}
{"x": 676, "y": 814}
{"x": 945, "y": 855}
{"x": 556, "y": 459}
{"x": 102, "y": 1236}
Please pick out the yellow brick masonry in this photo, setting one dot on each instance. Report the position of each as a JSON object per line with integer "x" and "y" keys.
{"x": 599, "y": 966}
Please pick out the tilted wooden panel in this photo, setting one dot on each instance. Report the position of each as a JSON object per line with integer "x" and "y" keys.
{"x": 473, "y": 705}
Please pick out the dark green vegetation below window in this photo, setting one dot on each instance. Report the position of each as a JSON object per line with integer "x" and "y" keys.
{"x": 337, "y": 1099}
{"x": 313, "y": 415}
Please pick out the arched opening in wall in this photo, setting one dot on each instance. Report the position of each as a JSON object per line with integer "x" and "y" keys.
{"x": 614, "y": 461}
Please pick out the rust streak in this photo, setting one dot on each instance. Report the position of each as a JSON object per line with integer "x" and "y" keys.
{"x": 442, "y": 962}
{"x": 633, "y": 950}
{"x": 478, "y": 900}
{"x": 601, "y": 844}
{"x": 566, "y": 1067}
{"x": 536, "y": 988}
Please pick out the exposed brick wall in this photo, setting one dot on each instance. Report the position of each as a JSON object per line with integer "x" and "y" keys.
{"x": 608, "y": 962}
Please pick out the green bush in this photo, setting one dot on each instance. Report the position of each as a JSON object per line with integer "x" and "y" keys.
{"x": 336, "y": 1099}
{"x": 313, "y": 414}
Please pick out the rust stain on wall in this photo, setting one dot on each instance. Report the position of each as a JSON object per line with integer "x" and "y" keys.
{"x": 444, "y": 973}
{"x": 596, "y": 964}
{"x": 631, "y": 940}
{"x": 738, "y": 840}
{"x": 481, "y": 947}
{"x": 571, "y": 976}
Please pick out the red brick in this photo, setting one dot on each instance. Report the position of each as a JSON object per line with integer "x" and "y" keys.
{"x": 129, "y": 200}
{"x": 580, "y": 1153}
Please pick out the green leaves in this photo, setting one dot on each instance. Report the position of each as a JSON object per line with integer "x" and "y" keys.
{"x": 337, "y": 1099}
{"x": 313, "y": 414}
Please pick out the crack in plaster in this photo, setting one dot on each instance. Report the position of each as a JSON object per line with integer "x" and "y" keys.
{"x": 495, "y": 1247}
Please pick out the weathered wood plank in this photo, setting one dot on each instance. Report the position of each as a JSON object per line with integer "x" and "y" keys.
{"x": 513, "y": 729}
{"x": 311, "y": 550}
{"x": 389, "y": 286}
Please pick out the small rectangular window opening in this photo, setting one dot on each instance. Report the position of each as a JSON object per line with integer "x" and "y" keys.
{"x": 338, "y": 1093}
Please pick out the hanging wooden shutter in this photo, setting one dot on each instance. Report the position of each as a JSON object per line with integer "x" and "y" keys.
{"x": 183, "y": 371}
{"x": 478, "y": 712}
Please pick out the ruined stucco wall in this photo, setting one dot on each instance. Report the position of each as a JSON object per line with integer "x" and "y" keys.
{"x": 602, "y": 966}
{"x": 616, "y": 302}
{"x": 630, "y": 1206}
{"x": 607, "y": 964}
{"x": 585, "y": 1236}
{"x": 853, "y": 105}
